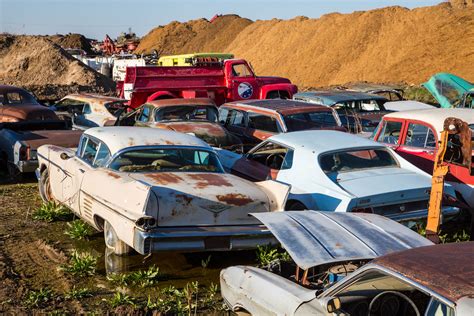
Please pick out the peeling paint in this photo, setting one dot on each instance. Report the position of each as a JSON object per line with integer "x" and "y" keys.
{"x": 205, "y": 180}
{"x": 236, "y": 199}
{"x": 164, "y": 178}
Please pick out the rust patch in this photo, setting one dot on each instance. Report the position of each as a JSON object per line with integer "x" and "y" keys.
{"x": 186, "y": 199}
{"x": 236, "y": 199}
{"x": 131, "y": 141}
{"x": 113, "y": 175}
{"x": 205, "y": 180}
{"x": 164, "y": 178}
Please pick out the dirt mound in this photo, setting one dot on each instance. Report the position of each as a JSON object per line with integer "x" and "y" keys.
{"x": 194, "y": 36}
{"x": 35, "y": 62}
{"x": 72, "y": 41}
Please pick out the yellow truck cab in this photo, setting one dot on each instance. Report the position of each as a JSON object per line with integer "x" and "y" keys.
{"x": 192, "y": 59}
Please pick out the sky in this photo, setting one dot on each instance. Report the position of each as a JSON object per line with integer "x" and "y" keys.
{"x": 95, "y": 18}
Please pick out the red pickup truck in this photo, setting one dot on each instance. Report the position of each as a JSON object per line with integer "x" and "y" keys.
{"x": 223, "y": 81}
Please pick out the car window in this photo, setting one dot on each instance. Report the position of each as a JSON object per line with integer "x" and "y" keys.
{"x": 420, "y": 136}
{"x": 436, "y": 308}
{"x": 17, "y": 97}
{"x": 144, "y": 114}
{"x": 469, "y": 101}
{"x": 90, "y": 150}
{"x": 369, "y": 105}
{"x": 169, "y": 113}
{"x": 264, "y": 123}
{"x": 86, "y": 109}
{"x": 390, "y": 132}
{"x": 103, "y": 155}
{"x": 273, "y": 156}
{"x": 241, "y": 70}
{"x": 353, "y": 160}
{"x": 223, "y": 115}
{"x": 236, "y": 118}
{"x": 309, "y": 120}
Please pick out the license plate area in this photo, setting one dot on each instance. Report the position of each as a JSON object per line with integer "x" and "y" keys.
{"x": 211, "y": 243}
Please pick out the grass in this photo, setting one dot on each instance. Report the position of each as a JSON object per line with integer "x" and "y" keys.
{"x": 452, "y": 236}
{"x": 78, "y": 293}
{"x": 268, "y": 254}
{"x": 419, "y": 93}
{"x": 205, "y": 262}
{"x": 50, "y": 212}
{"x": 78, "y": 230}
{"x": 38, "y": 298}
{"x": 121, "y": 299}
{"x": 141, "y": 278}
{"x": 80, "y": 264}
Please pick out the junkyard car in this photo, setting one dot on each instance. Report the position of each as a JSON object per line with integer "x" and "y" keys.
{"x": 90, "y": 110}
{"x": 451, "y": 91}
{"x": 414, "y": 135}
{"x": 359, "y": 112}
{"x": 256, "y": 120}
{"x": 391, "y": 93}
{"x": 194, "y": 115}
{"x": 335, "y": 171}
{"x": 152, "y": 189}
{"x": 334, "y": 274}
{"x": 408, "y": 105}
{"x": 17, "y": 104}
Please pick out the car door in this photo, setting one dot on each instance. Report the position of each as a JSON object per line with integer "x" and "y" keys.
{"x": 390, "y": 132}
{"x": 262, "y": 126}
{"x": 243, "y": 83}
{"x": 143, "y": 116}
{"x": 236, "y": 123}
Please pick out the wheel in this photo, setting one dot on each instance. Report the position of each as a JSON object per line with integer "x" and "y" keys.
{"x": 45, "y": 187}
{"x": 295, "y": 206}
{"x": 113, "y": 242}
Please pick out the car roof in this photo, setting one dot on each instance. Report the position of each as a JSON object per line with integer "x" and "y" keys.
{"x": 182, "y": 102}
{"x": 446, "y": 269}
{"x": 332, "y": 97}
{"x": 6, "y": 88}
{"x": 320, "y": 141}
{"x": 121, "y": 137}
{"x": 93, "y": 98}
{"x": 280, "y": 106}
{"x": 435, "y": 117}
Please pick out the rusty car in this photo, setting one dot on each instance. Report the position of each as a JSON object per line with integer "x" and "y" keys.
{"x": 153, "y": 190}
{"x": 256, "y": 120}
{"x": 89, "y": 110}
{"x": 342, "y": 172}
{"x": 353, "y": 264}
{"x": 197, "y": 116}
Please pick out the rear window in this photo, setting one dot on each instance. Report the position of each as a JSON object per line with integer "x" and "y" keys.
{"x": 17, "y": 97}
{"x": 309, "y": 120}
{"x": 187, "y": 113}
{"x": 353, "y": 160}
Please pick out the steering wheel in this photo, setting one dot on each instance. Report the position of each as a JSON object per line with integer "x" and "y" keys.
{"x": 386, "y": 307}
{"x": 272, "y": 159}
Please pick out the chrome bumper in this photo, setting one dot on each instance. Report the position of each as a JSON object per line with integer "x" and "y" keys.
{"x": 216, "y": 238}
{"x": 447, "y": 212}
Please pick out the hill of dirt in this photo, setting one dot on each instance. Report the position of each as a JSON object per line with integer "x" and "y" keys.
{"x": 72, "y": 41}
{"x": 36, "y": 63}
{"x": 388, "y": 45}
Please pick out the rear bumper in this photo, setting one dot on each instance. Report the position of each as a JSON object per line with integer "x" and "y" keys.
{"x": 448, "y": 211}
{"x": 27, "y": 166}
{"x": 216, "y": 238}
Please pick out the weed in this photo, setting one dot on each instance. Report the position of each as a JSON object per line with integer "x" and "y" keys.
{"x": 80, "y": 264}
{"x": 78, "y": 230}
{"x": 121, "y": 299}
{"x": 205, "y": 262}
{"x": 79, "y": 293}
{"x": 149, "y": 277}
{"x": 50, "y": 212}
{"x": 268, "y": 254}
{"x": 459, "y": 236}
{"x": 38, "y": 298}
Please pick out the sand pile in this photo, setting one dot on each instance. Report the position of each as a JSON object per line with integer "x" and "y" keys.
{"x": 193, "y": 36}
{"x": 36, "y": 63}
{"x": 388, "y": 45}
{"x": 72, "y": 41}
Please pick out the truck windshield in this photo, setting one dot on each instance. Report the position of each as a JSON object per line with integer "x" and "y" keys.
{"x": 353, "y": 160}
{"x": 167, "y": 160}
{"x": 309, "y": 120}
{"x": 186, "y": 113}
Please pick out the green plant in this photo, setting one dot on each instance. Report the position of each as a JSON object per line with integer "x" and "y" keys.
{"x": 268, "y": 254}
{"x": 205, "y": 262}
{"x": 142, "y": 278}
{"x": 191, "y": 291}
{"x": 78, "y": 230}
{"x": 38, "y": 298}
{"x": 78, "y": 293}
{"x": 80, "y": 264}
{"x": 459, "y": 236}
{"x": 121, "y": 299}
{"x": 50, "y": 212}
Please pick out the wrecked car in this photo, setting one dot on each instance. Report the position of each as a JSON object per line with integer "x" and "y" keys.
{"x": 391, "y": 93}
{"x": 341, "y": 172}
{"x": 359, "y": 112}
{"x": 353, "y": 264}
{"x": 256, "y": 120}
{"x": 414, "y": 135}
{"x": 408, "y": 105}
{"x": 197, "y": 116}
{"x": 451, "y": 91}
{"x": 155, "y": 190}
{"x": 89, "y": 110}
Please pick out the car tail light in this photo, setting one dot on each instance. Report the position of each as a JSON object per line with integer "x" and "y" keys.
{"x": 363, "y": 210}
{"x": 146, "y": 222}
{"x": 24, "y": 153}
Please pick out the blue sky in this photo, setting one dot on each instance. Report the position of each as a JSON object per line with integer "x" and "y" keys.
{"x": 96, "y": 18}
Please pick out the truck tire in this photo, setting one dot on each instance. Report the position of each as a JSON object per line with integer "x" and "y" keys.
{"x": 45, "y": 187}
{"x": 113, "y": 242}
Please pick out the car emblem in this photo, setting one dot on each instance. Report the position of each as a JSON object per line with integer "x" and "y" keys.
{"x": 402, "y": 208}
{"x": 245, "y": 90}
{"x": 215, "y": 208}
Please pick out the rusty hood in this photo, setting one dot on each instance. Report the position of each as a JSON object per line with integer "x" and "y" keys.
{"x": 26, "y": 112}
{"x": 204, "y": 199}
{"x": 315, "y": 238}
{"x": 63, "y": 138}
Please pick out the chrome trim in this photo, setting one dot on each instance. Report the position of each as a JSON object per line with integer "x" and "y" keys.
{"x": 447, "y": 211}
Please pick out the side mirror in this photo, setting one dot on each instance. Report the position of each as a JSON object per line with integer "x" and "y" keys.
{"x": 64, "y": 156}
{"x": 330, "y": 304}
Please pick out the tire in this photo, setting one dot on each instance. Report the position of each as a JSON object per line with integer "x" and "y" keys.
{"x": 295, "y": 206}
{"x": 45, "y": 187}
{"x": 113, "y": 242}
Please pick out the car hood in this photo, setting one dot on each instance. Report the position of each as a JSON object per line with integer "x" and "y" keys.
{"x": 63, "y": 138}
{"x": 447, "y": 89}
{"x": 314, "y": 238}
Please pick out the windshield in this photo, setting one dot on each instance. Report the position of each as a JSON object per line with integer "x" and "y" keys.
{"x": 17, "y": 97}
{"x": 187, "y": 113}
{"x": 116, "y": 108}
{"x": 360, "y": 106}
{"x": 353, "y": 160}
{"x": 309, "y": 120}
{"x": 167, "y": 159}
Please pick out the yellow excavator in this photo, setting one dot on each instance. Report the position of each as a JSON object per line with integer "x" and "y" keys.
{"x": 455, "y": 147}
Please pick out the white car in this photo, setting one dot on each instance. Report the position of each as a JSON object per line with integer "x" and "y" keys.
{"x": 335, "y": 171}
{"x": 153, "y": 190}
